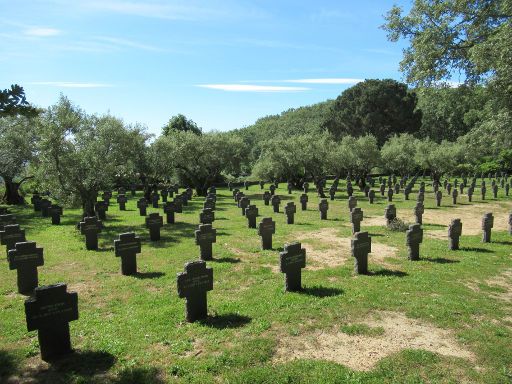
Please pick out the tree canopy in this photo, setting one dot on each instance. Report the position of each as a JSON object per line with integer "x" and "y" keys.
{"x": 14, "y": 102}
{"x": 180, "y": 123}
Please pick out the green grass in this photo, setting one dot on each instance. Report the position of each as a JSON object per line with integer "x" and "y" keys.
{"x": 132, "y": 329}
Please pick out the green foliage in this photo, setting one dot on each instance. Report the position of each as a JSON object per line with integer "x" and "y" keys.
{"x": 361, "y": 329}
{"x": 398, "y": 154}
{"x": 357, "y": 156}
{"x": 17, "y": 146}
{"x": 180, "y": 123}
{"x": 397, "y": 225}
{"x": 438, "y": 158}
{"x": 197, "y": 160}
{"x": 13, "y": 102}
{"x": 377, "y": 107}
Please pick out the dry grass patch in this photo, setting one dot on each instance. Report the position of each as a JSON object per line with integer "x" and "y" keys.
{"x": 503, "y": 281}
{"x": 362, "y": 351}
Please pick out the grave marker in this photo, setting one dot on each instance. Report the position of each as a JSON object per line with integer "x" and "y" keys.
{"x": 414, "y": 239}
{"x": 169, "y": 210}
{"x": 154, "y": 222}
{"x": 371, "y": 196}
{"x": 356, "y": 216}
{"x": 155, "y": 197}
{"x": 361, "y": 245}
{"x": 291, "y": 262}
{"x": 305, "y": 187}
{"x": 55, "y": 212}
{"x": 207, "y": 216}
{"x": 352, "y": 203}
{"x": 390, "y": 213}
{"x": 276, "y": 201}
{"x": 142, "y": 204}
{"x": 49, "y": 312}
{"x": 266, "y": 229}
{"x": 439, "y": 198}
{"x": 45, "y": 204}
{"x": 10, "y": 235}
{"x": 487, "y": 224}
{"x": 101, "y": 207}
{"x": 244, "y": 203}
{"x": 455, "y": 193}
{"x": 206, "y": 235}
{"x": 454, "y": 233}
{"x": 90, "y": 227}
{"x": 266, "y": 197}
{"x": 304, "y": 201}
{"x": 290, "y": 210}
{"x": 419, "y": 209}
{"x": 127, "y": 247}
{"x": 251, "y": 212}
{"x": 193, "y": 285}
{"x": 272, "y": 189}
{"x": 323, "y": 207}
{"x": 25, "y": 257}
{"x": 36, "y": 201}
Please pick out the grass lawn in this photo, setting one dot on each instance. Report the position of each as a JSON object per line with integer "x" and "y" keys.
{"x": 444, "y": 319}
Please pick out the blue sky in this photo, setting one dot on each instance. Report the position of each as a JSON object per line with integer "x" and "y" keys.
{"x": 223, "y": 64}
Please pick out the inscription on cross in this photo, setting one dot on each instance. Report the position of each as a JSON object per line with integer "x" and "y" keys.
{"x": 276, "y": 201}
{"x": 90, "y": 227}
{"x": 244, "y": 203}
{"x": 291, "y": 262}
{"x": 266, "y": 229}
{"x": 356, "y": 216}
{"x": 304, "y": 201}
{"x": 207, "y": 216}
{"x": 142, "y": 204}
{"x": 206, "y": 235}
{"x": 25, "y": 258}
{"x": 10, "y": 235}
{"x": 169, "y": 210}
{"x": 251, "y": 212}
{"x": 323, "y": 207}
{"x": 193, "y": 285}
{"x": 361, "y": 245}
{"x": 122, "y": 199}
{"x": 49, "y": 312}
{"x": 290, "y": 210}
{"x": 154, "y": 222}
{"x": 127, "y": 247}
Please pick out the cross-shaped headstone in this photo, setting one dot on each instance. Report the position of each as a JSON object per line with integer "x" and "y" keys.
{"x": 290, "y": 210}
{"x": 390, "y": 213}
{"x": 154, "y": 222}
{"x": 235, "y": 191}
{"x": 10, "y": 235}
{"x": 207, "y": 216}
{"x": 155, "y": 197}
{"x": 291, "y": 262}
{"x": 356, "y": 216}
{"x": 276, "y": 201}
{"x": 121, "y": 199}
{"x": 266, "y": 197}
{"x": 305, "y": 187}
{"x": 414, "y": 239}
{"x": 407, "y": 192}
{"x": 25, "y": 257}
{"x": 471, "y": 190}
{"x": 371, "y": 196}
{"x": 382, "y": 189}
{"x": 179, "y": 204}
{"x": 290, "y": 188}
{"x": 55, "y": 212}
{"x": 244, "y": 203}
{"x": 142, "y": 204}
{"x": 193, "y": 285}
{"x": 350, "y": 190}
{"x": 101, "y": 207}
{"x": 352, "y": 203}
{"x": 169, "y": 210}
{"x": 36, "y": 200}
{"x": 211, "y": 196}
{"x": 487, "y": 224}
{"x": 361, "y": 245}
{"x": 419, "y": 209}
{"x": 190, "y": 193}
{"x": 106, "y": 196}
{"x": 332, "y": 192}
{"x": 449, "y": 188}
{"x": 90, "y": 227}
{"x": 164, "y": 193}
{"x": 454, "y": 233}
{"x": 266, "y": 229}
{"x": 455, "y": 193}
{"x": 251, "y": 212}
{"x": 127, "y": 247}
{"x": 304, "y": 201}
{"x": 238, "y": 197}
{"x": 483, "y": 190}
{"x": 184, "y": 198}
{"x": 272, "y": 189}
{"x": 49, "y": 312}
{"x": 45, "y": 204}
{"x": 397, "y": 189}
{"x": 133, "y": 188}
{"x": 390, "y": 194}
{"x": 439, "y": 198}
{"x": 206, "y": 235}
{"x": 495, "y": 191}
{"x": 262, "y": 185}
{"x": 209, "y": 203}
{"x": 323, "y": 207}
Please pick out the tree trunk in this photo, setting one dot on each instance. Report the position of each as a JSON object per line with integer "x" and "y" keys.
{"x": 12, "y": 192}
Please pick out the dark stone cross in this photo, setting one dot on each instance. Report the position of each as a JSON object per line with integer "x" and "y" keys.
{"x": 142, "y": 204}
{"x": 420, "y": 197}
{"x": 419, "y": 210}
{"x": 266, "y": 229}
{"x": 352, "y": 203}
{"x": 155, "y": 197}
{"x": 407, "y": 192}
{"x": 350, "y": 190}
{"x": 332, "y": 192}
{"x": 184, "y": 198}
{"x": 169, "y": 210}
{"x": 190, "y": 192}
{"x": 235, "y": 191}
{"x": 25, "y": 258}
{"x": 454, "y": 233}
{"x": 238, "y": 197}
{"x": 371, "y": 196}
{"x": 455, "y": 194}
{"x": 101, "y": 208}
{"x": 471, "y": 189}
{"x": 382, "y": 189}
{"x": 323, "y": 207}
{"x": 290, "y": 188}
{"x": 121, "y": 191}
{"x": 7, "y": 219}
{"x": 209, "y": 203}
{"x": 276, "y": 201}
{"x": 90, "y": 227}
{"x": 251, "y": 212}
{"x": 390, "y": 213}
{"x": 45, "y": 204}
{"x": 414, "y": 239}
{"x": 487, "y": 224}
{"x": 55, "y": 212}
{"x": 390, "y": 194}
{"x": 10, "y": 235}
{"x": 356, "y": 216}
{"x": 36, "y": 200}
{"x": 106, "y": 196}
{"x": 262, "y": 185}
{"x": 127, "y": 247}
{"x": 290, "y": 210}
{"x": 121, "y": 199}
{"x": 193, "y": 285}
{"x": 291, "y": 262}
{"x": 206, "y": 235}
{"x": 212, "y": 196}
{"x": 207, "y": 216}
{"x": 178, "y": 203}
{"x": 397, "y": 189}
{"x": 439, "y": 198}
{"x": 154, "y": 222}
{"x": 483, "y": 190}
{"x": 133, "y": 188}
{"x": 361, "y": 245}
{"x": 272, "y": 189}
{"x": 495, "y": 191}
{"x": 49, "y": 312}
{"x": 244, "y": 203}
{"x": 449, "y": 188}
{"x": 266, "y": 197}
{"x": 304, "y": 201}
{"x": 305, "y": 187}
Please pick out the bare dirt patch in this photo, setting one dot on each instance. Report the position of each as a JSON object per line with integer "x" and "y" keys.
{"x": 503, "y": 281}
{"x": 324, "y": 248}
{"x": 360, "y": 352}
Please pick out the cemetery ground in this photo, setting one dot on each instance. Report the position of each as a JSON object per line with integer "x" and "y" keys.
{"x": 446, "y": 318}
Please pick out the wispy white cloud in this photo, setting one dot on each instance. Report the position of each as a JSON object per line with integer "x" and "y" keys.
{"x": 127, "y": 43}
{"x": 335, "y": 80}
{"x": 252, "y": 88}
{"x": 66, "y": 84}
{"x": 41, "y": 32}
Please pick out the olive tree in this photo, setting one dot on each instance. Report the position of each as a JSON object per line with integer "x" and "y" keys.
{"x": 398, "y": 154}
{"x": 440, "y": 159}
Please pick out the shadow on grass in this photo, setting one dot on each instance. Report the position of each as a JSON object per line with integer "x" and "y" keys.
{"x": 442, "y": 260}
{"x": 388, "y": 272}
{"x": 319, "y": 291}
{"x": 149, "y": 375}
{"x": 148, "y": 275}
{"x": 375, "y": 235}
{"x": 502, "y": 242}
{"x": 228, "y": 260}
{"x": 86, "y": 363}
{"x": 226, "y": 321}
{"x": 8, "y": 365}
{"x": 476, "y": 249}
